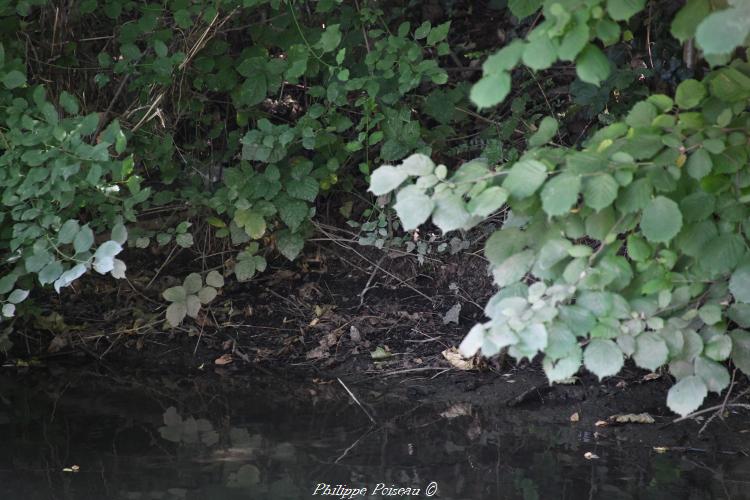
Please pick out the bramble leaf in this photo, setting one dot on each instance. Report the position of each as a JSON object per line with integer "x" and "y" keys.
{"x": 215, "y": 279}
{"x": 176, "y": 313}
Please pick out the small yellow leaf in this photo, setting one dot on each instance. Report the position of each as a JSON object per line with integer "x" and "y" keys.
{"x": 604, "y": 145}
{"x": 681, "y": 160}
{"x": 380, "y": 354}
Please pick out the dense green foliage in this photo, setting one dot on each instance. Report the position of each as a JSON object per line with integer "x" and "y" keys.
{"x": 633, "y": 246}
{"x": 225, "y": 117}
{"x": 202, "y": 121}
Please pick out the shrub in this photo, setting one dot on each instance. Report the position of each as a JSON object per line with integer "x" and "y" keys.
{"x": 236, "y": 116}
{"x": 634, "y": 245}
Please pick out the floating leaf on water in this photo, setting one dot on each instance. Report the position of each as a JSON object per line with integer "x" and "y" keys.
{"x": 247, "y": 476}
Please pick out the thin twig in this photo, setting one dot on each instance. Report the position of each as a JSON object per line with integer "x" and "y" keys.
{"x": 720, "y": 411}
{"x": 158, "y": 271}
{"x": 372, "y": 276}
{"x": 140, "y": 294}
{"x": 351, "y": 394}
{"x": 364, "y": 32}
{"x": 648, "y": 34}
{"x": 351, "y": 446}
{"x": 713, "y": 408}
{"x": 103, "y": 118}
{"x": 533, "y": 24}
{"x": 285, "y": 299}
{"x": 403, "y": 282}
{"x": 148, "y": 115}
{"x": 729, "y": 391}
{"x": 411, "y": 370}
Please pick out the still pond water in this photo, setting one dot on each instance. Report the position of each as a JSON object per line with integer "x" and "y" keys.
{"x": 114, "y": 436}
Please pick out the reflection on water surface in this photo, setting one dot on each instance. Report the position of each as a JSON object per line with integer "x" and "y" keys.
{"x": 157, "y": 437}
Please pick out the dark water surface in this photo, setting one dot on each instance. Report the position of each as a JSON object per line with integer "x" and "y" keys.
{"x": 201, "y": 437}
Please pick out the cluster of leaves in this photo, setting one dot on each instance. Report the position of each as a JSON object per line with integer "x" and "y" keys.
{"x": 188, "y": 298}
{"x": 237, "y": 122}
{"x": 571, "y": 28}
{"x": 634, "y": 246}
{"x": 48, "y": 172}
{"x": 313, "y": 150}
{"x": 381, "y": 229}
{"x": 140, "y": 237}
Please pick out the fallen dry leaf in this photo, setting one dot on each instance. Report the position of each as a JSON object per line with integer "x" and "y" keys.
{"x": 457, "y": 361}
{"x": 248, "y": 311}
{"x": 354, "y": 334}
{"x": 457, "y": 410}
{"x": 575, "y": 417}
{"x": 631, "y": 418}
{"x": 58, "y": 342}
{"x": 601, "y": 423}
{"x": 319, "y": 352}
{"x": 651, "y": 376}
{"x": 322, "y": 351}
{"x": 224, "y": 359}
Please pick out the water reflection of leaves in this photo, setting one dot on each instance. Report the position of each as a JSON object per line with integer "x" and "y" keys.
{"x": 189, "y": 430}
{"x": 246, "y": 476}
